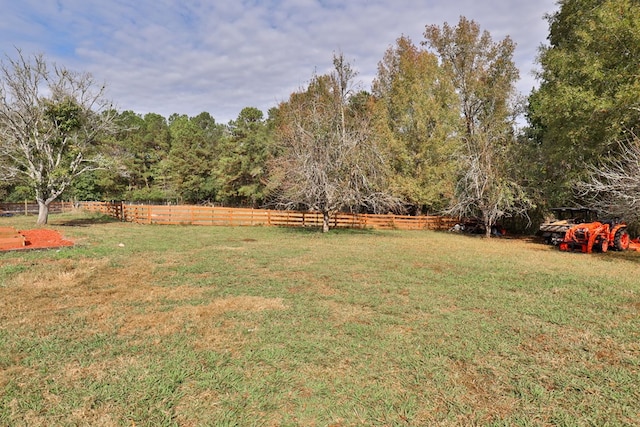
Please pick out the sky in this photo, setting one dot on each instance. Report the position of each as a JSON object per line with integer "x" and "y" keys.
{"x": 190, "y": 56}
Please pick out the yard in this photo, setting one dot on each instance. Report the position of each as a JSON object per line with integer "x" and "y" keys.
{"x": 147, "y": 325}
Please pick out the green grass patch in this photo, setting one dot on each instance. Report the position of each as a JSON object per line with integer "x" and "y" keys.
{"x": 256, "y": 326}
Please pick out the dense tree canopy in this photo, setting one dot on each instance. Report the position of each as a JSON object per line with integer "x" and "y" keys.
{"x": 588, "y": 100}
{"x": 242, "y": 170}
{"x": 484, "y": 75}
{"x": 193, "y": 158}
{"x": 417, "y": 119}
{"x": 140, "y": 148}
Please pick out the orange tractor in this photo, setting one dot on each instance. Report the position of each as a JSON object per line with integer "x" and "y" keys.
{"x": 599, "y": 236}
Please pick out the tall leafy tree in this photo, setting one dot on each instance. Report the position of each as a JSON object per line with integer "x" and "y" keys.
{"x": 142, "y": 145}
{"x": 417, "y": 117}
{"x": 137, "y": 151}
{"x": 327, "y": 160}
{"x": 484, "y": 76}
{"x": 242, "y": 169}
{"x": 589, "y": 89}
{"x": 193, "y": 157}
{"x": 51, "y": 119}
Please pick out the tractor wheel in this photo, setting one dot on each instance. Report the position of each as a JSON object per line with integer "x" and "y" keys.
{"x": 602, "y": 246}
{"x": 621, "y": 240}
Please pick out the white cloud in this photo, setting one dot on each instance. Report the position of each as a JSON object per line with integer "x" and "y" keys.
{"x": 221, "y": 56}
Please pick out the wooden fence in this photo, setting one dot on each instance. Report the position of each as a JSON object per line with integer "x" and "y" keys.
{"x": 205, "y": 215}
{"x": 31, "y": 208}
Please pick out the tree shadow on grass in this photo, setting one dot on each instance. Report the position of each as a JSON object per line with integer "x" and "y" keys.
{"x": 86, "y": 222}
{"x": 628, "y": 255}
{"x": 332, "y": 231}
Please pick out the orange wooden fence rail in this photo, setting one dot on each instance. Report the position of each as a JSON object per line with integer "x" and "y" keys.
{"x": 206, "y": 215}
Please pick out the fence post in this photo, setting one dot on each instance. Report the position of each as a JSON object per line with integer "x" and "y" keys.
{"x": 26, "y": 208}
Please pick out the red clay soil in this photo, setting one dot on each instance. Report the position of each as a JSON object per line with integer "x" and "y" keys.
{"x": 39, "y": 238}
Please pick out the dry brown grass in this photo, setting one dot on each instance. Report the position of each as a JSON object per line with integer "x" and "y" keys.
{"x": 123, "y": 298}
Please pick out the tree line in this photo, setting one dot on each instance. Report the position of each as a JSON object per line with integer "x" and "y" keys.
{"x": 435, "y": 133}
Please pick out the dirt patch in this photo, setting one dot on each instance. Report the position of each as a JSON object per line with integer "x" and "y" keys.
{"x": 38, "y": 238}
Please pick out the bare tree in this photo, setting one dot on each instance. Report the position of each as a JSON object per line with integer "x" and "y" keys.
{"x": 613, "y": 187}
{"x": 484, "y": 185}
{"x": 50, "y": 118}
{"x": 329, "y": 160}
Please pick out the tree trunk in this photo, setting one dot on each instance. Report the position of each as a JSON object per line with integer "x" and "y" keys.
{"x": 487, "y": 226}
{"x": 325, "y": 222}
{"x": 43, "y": 212}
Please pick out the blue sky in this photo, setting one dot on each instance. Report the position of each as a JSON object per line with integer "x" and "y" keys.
{"x": 189, "y": 56}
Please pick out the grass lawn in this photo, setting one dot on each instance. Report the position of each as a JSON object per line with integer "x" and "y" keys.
{"x": 182, "y": 325}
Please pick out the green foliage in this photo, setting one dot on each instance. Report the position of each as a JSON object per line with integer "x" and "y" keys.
{"x": 242, "y": 168}
{"x": 193, "y": 158}
{"x": 148, "y": 195}
{"x": 140, "y": 148}
{"x": 87, "y": 187}
{"x": 482, "y": 72}
{"x": 66, "y": 115}
{"x": 19, "y": 193}
{"x": 484, "y": 75}
{"x": 588, "y": 97}
{"x": 416, "y": 118}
